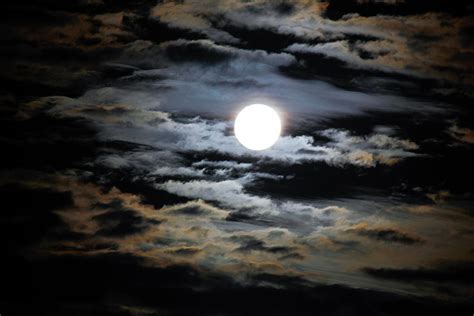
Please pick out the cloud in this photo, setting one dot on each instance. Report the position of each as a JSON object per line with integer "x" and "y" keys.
{"x": 347, "y": 53}
{"x": 201, "y": 51}
{"x": 457, "y": 272}
{"x": 308, "y": 21}
{"x": 227, "y": 164}
{"x": 300, "y": 218}
{"x": 177, "y": 171}
{"x": 146, "y": 286}
{"x": 196, "y": 15}
{"x": 228, "y": 192}
{"x": 158, "y": 129}
{"x": 250, "y": 243}
{"x": 196, "y": 208}
{"x": 239, "y": 72}
{"x": 390, "y": 235}
{"x": 461, "y": 134}
{"x": 145, "y": 159}
{"x": 201, "y": 135}
{"x": 183, "y": 15}
{"x": 196, "y": 51}
{"x": 31, "y": 210}
{"x": 119, "y": 221}
{"x": 440, "y": 196}
{"x": 192, "y": 233}
{"x": 184, "y": 251}
{"x": 198, "y": 233}
{"x": 371, "y": 149}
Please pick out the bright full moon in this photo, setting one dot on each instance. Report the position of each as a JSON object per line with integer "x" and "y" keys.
{"x": 257, "y": 126}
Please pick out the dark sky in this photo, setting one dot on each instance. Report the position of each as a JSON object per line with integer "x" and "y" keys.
{"x": 125, "y": 192}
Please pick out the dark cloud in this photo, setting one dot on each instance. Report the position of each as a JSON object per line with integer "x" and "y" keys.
{"x": 453, "y": 272}
{"x": 149, "y": 194}
{"x": 185, "y": 251}
{"x": 312, "y": 66}
{"x": 291, "y": 256}
{"x": 156, "y": 31}
{"x": 196, "y": 51}
{"x": 119, "y": 221}
{"x": 41, "y": 79}
{"x": 422, "y": 42}
{"x": 450, "y": 162}
{"x": 192, "y": 210}
{"x": 245, "y": 83}
{"x": 34, "y": 15}
{"x": 46, "y": 142}
{"x": 334, "y": 182}
{"x": 387, "y": 234}
{"x": 240, "y": 216}
{"x": 28, "y": 219}
{"x": 256, "y": 38}
{"x": 318, "y": 66}
{"x": 87, "y": 246}
{"x": 285, "y": 7}
{"x": 79, "y": 6}
{"x": 181, "y": 290}
{"x": 467, "y": 35}
{"x": 250, "y": 243}
{"x": 338, "y": 8}
{"x": 280, "y": 280}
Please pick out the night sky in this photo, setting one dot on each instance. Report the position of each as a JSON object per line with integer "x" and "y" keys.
{"x": 124, "y": 190}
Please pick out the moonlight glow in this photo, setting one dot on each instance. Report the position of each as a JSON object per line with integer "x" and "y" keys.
{"x": 257, "y": 127}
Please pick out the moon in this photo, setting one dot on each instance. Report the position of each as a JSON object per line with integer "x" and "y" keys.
{"x": 257, "y": 127}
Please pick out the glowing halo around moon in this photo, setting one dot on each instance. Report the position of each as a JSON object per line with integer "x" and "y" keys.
{"x": 257, "y": 127}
